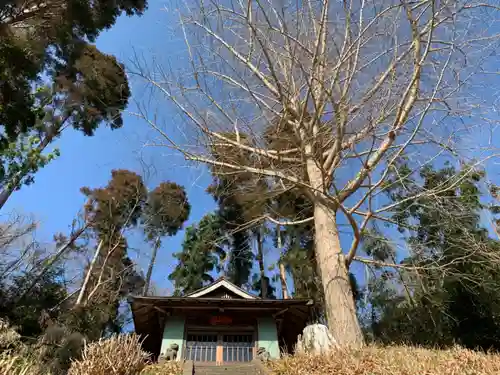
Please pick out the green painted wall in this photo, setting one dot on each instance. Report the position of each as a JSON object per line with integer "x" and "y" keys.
{"x": 173, "y": 333}
{"x": 268, "y": 336}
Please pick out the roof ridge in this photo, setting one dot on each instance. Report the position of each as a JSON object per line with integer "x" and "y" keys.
{"x": 228, "y": 284}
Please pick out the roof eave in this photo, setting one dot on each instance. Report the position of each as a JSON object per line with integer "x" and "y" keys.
{"x": 193, "y": 300}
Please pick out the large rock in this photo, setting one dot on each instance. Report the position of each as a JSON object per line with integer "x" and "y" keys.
{"x": 316, "y": 339}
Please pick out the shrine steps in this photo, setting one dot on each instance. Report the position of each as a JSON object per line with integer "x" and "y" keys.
{"x": 250, "y": 368}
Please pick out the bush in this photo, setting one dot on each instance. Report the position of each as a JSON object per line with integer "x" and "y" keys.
{"x": 118, "y": 355}
{"x": 57, "y": 348}
{"x": 390, "y": 361}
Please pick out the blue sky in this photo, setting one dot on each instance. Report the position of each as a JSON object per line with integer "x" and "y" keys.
{"x": 55, "y": 199}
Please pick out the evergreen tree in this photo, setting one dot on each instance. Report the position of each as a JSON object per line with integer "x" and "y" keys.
{"x": 111, "y": 276}
{"x": 82, "y": 87}
{"x": 258, "y": 282}
{"x": 261, "y": 282}
{"x": 200, "y": 255}
{"x": 167, "y": 208}
{"x": 25, "y": 313}
{"x": 451, "y": 297}
{"x": 238, "y": 237}
{"x": 242, "y": 200}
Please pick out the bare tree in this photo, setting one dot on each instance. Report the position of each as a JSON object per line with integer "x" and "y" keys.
{"x": 66, "y": 246}
{"x": 18, "y": 246}
{"x": 324, "y": 98}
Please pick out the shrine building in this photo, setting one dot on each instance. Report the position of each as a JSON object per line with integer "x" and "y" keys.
{"x": 220, "y": 323}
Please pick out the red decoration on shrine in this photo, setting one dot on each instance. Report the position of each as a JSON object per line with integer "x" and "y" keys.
{"x": 218, "y": 320}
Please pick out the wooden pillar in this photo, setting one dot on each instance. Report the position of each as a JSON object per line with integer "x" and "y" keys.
{"x": 283, "y": 281}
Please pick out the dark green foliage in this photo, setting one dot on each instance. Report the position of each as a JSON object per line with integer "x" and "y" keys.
{"x": 90, "y": 17}
{"x": 201, "y": 253}
{"x": 125, "y": 203}
{"x": 257, "y": 286}
{"x": 376, "y": 246}
{"x": 233, "y": 219}
{"x": 87, "y": 320}
{"x": 16, "y": 99}
{"x": 166, "y": 210}
{"x": 25, "y": 313}
{"x": 356, "y": 293}
{"x": 242, "y": 198}
{"x": 73, "y": 19}
{"x": 453, "y": 298}
{"x": 300, "y": 261}
{"x": 81, "y": 87}
{"x": 241, "y": 258}
{"x": 85, "y": 93}
{"x": 297, "y": 243}
{"x": 132, "y": 281}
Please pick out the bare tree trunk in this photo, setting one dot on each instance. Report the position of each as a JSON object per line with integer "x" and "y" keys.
{"x": 5, "y": 195}
{"x": 284, "y": 288}
{"x": 85, "y": 284}
{"x": 260, "y": 256}
{"x": 151, "y": 265}
{"x": 339, "y": 302}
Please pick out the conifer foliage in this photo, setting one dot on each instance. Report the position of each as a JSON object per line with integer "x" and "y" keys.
{"x": 81, "y": 87}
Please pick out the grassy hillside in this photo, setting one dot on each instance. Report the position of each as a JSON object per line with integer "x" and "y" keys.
{"x": 391, "y": 361}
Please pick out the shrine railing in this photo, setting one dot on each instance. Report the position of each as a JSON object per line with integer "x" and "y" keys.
{"x": 208, "y": 353}
{"x": 237, "y": 353}
{"x": 201, "y": 353}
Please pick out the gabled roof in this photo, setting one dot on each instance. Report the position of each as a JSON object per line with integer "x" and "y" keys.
{"x": 221, "y": 283}
{"x": 149, "y": 312}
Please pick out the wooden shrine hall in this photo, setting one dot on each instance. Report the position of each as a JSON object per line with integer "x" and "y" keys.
{"x": 220, "y": 323}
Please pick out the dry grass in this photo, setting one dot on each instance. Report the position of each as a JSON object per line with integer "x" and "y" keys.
{"x": 118, "y": 355}
{"x": 167, "y": 368}
{"x": 390, "y": 361}
{"x": 11, "y": 364}
{"x": 8, "y": 335}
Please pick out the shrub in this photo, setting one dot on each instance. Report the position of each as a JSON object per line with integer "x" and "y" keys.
{"x": 390, "y": 361}
{"x": 118, "y": 355}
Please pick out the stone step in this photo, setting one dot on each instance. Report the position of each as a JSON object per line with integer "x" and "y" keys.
{"x": 227, "y": 369}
